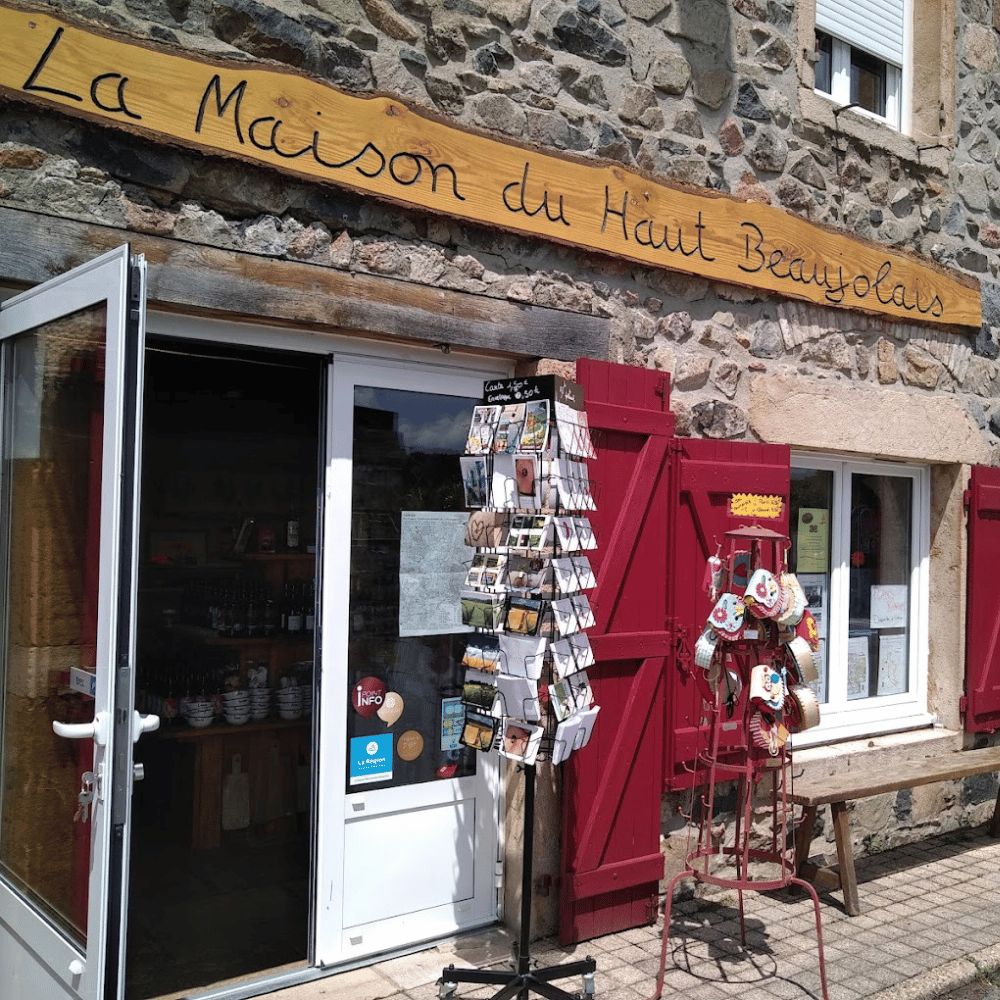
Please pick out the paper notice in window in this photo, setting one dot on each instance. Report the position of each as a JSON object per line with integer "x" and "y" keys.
{"x": 432, "y": 571}
{"x": 889, "y": 605}
{"x": 812, "y": 540}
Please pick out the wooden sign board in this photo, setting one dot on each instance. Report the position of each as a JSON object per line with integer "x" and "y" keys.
{"x": 379, "y": 146}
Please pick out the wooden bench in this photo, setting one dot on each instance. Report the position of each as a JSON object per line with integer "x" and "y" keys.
{"x": 862, "y": 782}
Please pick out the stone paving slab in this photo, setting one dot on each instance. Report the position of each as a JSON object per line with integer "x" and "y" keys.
{"x": 914, "y": 940}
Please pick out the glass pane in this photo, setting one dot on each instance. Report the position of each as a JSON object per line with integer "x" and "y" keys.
{"x": 868, "y": 81}
{"x": 881, "y": 564}
{"x": 406, "y": 638}
{"x": 51, "y": 474}
{"x": 824, "y": 66}
{"x": 809, "y": 558}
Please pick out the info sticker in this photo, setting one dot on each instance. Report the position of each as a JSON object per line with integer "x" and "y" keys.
{"x": 371, "y": 758}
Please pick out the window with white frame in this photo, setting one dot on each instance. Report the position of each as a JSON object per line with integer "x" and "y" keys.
{"x": 859, "y": 547}
{"x": 861, "y": 47}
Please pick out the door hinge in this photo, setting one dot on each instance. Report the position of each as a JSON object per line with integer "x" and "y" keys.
{"x": 963, "y": 704}
{"x": 967, "y": 499}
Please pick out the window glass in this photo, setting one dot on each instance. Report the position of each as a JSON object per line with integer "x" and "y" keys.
{"x": 879, "y": 588}
{"x": 809, "y": 558}
{"x": 858, "y": 539}
{"x": 406, "y": 636}
{"x": 868, "y": 77}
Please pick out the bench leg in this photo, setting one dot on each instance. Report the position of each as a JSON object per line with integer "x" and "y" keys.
{"x": 845, "y": 857}
{"x": 803, "y": 837}
{"x": 993, "y": 827}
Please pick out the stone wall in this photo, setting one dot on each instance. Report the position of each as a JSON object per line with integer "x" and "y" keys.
{"x": 712, "y": 93}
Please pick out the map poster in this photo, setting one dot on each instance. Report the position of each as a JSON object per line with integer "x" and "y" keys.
{"x": 432, "y": 569}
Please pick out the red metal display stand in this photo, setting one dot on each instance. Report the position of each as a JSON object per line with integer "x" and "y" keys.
{"x": 761, "y": 860}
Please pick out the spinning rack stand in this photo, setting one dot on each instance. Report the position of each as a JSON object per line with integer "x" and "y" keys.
{"x": 523, "y": 981}
{"x": 749, "y": 764}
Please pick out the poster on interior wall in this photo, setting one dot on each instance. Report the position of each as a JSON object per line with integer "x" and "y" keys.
{"x": 857, "y": 667}
{"x": 891, "y": 664}
{"x": 812, "y": 540}
{"x": 432, "y": 571}
{"x": 888, "y": 606}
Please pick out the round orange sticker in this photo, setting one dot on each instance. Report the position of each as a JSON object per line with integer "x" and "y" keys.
{"x": 410, "y": 745}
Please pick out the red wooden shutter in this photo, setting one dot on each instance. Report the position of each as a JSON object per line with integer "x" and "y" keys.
{"x": 982, "y": 643}
{"x": 706, "y": 474}
{"x": 611, "y": 861}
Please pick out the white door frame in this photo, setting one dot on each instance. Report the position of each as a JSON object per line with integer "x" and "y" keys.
{"x": 32, "y": 949}
{"x": 336, "y": 805}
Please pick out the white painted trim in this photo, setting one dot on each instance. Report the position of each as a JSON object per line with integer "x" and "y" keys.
{"x": 840, "y": 718}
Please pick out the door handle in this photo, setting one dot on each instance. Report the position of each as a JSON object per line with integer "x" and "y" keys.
{"x": 143, "y": 724}
{"x": 96, "y": 730}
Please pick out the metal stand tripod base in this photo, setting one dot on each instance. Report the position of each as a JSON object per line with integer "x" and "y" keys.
{"x": 522, "y": 984}
{"x": 525, "y": 981}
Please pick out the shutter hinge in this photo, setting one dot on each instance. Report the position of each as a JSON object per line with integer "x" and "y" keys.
{"x": 967, "y": 499}
{"x": 963, "y": 705}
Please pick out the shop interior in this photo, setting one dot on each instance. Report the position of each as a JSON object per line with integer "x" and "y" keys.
{"x": 222, "y": 842}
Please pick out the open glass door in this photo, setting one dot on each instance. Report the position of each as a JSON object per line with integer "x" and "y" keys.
{"x": 69, "y": 381}
{"x": 408, "y": 814}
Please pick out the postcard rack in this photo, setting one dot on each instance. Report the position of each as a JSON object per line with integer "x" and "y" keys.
{"x": 526, "y": 694}
{"x": 753, "y": 666}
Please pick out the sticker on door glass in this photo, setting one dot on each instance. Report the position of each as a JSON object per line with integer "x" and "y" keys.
{"x": 371, "y": 758}
{"x": 452, "y": 719}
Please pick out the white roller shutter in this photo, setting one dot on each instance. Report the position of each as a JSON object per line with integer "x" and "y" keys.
{"x": 873, "y": 25}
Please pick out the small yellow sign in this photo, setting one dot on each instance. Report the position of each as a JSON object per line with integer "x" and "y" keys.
{"x": 751, "y": 505}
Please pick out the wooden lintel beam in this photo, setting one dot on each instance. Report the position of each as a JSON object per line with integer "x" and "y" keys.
{"x": 202, "y": 279}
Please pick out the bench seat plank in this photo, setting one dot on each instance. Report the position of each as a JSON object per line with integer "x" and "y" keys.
{"x": 863, "y": 782}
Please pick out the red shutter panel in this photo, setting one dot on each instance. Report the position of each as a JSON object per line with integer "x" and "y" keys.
{"x": 705, "y": 475}
{"x": 611, "y": 861}
{"x": 982, "y": 642}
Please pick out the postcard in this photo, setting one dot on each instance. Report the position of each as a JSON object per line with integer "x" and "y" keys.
{"x": 519, "y": 697}
{"x": 583, "y": 611}
{"x": 563, "y": 658}
{"x": 528, "y": 482}
{"x": 479, "y": 695}
{"x": 535, "y": 432}
{"x": 520, "y": 740}
{"x": 567, "y": 581}
{"x": 564, "y": 742}
{"x": 479, "y": 731}
{"x": 571, "y": 695}
{"x": 584, "y": 572}
{"x": 482, "y": 430}
{"x": 508, "y": 433}
{"x": 582, "y": 652}
{"x": 585, "y": 533}
{"x": 482, "y": 652}
{"x": 522, "y": 655}
{"x": 587, "y": 720}
{"x": 524, "y": 615}
{"x": 486, "y": 529}
{"x": 529, "y": 575}
{"x": 482, "y": 610}
{"x": 565, "y": 616}
{"x": 566, "y": 532}
{"x": 503, "y": 483}
{"x": 474, "y": 480}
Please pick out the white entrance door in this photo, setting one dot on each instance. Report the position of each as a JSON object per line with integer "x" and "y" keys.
{"x": 409, "y": 819}
{"x": 69, "y": 385}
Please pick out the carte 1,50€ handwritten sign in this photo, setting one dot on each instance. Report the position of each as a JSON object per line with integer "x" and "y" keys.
{"x": 379, "y": 146}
